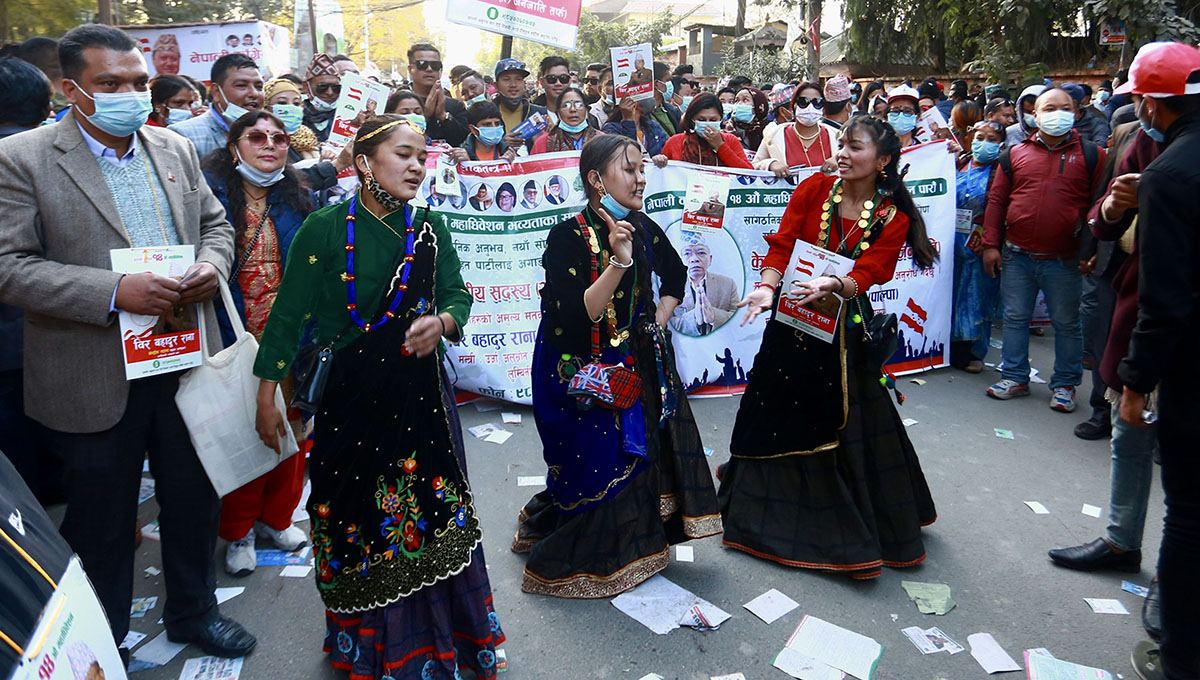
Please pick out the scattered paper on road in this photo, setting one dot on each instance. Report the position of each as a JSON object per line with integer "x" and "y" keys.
{"x": 300, "y": 514}
{"x": 501, "y": 661}
{"x": 1004, "y": 434}
{"x": 1035, "y": 378}
{"x": 131, "y": 639}
{"x": 159, "y": 651}
{"x": 703, "y": 616}
{"x": 804, "y": 667}
{"x": 137, "y": 665}
{"x": 273, "y": 557}
{"x": 835, "y": 646}
{"x": 708, "y": 451}
{"x": 990, "y": 655}
{"x": 730, "y": 676}
{"x": 532, "y": 480}
{"x": 660, "y": 605}
{"x": 931, "y": 598}
{"x": 1140, "y": 591}
{"x": 146, "y": 490}
{"x": 152, "y": 571}
{"x": 1037, "y": 508}
{"x": 771, "y": 605}
{"x": 931, "y": 640}
{"x": 917, "y": 381}
{"x": 141, "y": 605}
{"x": 150, "y": 531}
{"x": 1042, "y": 667}
{"x": 685, "y": 553}
{"x": 652, "y": 676}
{"x": 1102, "y": 605}
{"x": 296, "y": 570}
{"x": 481, "y": 431}
{"x": 908, "y": 422}
{"x": 511, "y": 418}
{"x": 211, "y": 668}
{"x": 498, "y": 437}
{"x": 1091, "y": 510}
{"x": 226, "y": 594}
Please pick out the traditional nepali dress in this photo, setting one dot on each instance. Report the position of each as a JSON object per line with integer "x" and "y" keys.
{"x": 394, "y": 530}
{"x": 621, "y": 486}
{"x": 823, "y": 475}
{"x": 976, "y": 294}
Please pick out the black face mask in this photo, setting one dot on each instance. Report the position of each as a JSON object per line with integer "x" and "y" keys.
{"x": 510, "y": 103}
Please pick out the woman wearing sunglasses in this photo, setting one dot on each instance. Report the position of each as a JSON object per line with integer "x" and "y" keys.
{"x": 395, "y": 530}
{"x": 265, "y": 200}
{"x": 702, "y": 141}
{"x": 805, "y": 142}
{"x": 572, "y": 130}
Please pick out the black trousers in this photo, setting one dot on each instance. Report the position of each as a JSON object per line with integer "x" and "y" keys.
{"x": 103, "y": 472}
{"x": 27, "y": 443}
{"x": 1095, "y": 314}
{"x": 1178, "y": 413}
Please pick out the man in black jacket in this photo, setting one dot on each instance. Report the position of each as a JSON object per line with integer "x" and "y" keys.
{"x": 510, "y": 98}
{"x": 445, "y": 117}
{"x": 1164, "y": 82}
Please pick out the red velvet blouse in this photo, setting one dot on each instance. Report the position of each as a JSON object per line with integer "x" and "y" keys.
{"x": 802, "y": 220}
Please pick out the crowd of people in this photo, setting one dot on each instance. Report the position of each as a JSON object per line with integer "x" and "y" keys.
{"x": 96, "y": 155}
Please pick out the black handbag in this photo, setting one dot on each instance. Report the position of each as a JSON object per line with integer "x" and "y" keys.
{"x": 313, "y": 366}
{"x": 881, "y": 337}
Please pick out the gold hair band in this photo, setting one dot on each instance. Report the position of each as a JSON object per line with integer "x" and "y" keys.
{"x": 391, "y": 124}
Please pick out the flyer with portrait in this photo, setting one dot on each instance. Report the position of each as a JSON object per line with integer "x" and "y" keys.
{"x": 154, "y": 345}
{"x": 633, "y": 71}
{"x": 704, "y": 202}
{"x": 359, "y": 94}
{"x": 820, "y": 317}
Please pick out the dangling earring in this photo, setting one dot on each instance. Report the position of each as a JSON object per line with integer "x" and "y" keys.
{"x": 883, "y": 174}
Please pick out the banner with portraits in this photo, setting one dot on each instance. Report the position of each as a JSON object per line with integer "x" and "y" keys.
{"x": 503, "y": 213}
{"x": 191, "y": 49}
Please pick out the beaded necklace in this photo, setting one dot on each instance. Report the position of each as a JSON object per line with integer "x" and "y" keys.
{"x": 348, "y": 276}
{"x": 829, "y": 213}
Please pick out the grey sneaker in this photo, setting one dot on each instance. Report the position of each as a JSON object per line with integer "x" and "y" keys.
{"x": 1008, "y": 389}
{"x": 240, "y": 558}
{"x": 288, "y": 540}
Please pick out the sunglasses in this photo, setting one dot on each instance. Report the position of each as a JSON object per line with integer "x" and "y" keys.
{"x": 262, "y": 139}
{"x": 336, "y": 88}
{"x": 818, "y": 102}
{"x": 592, "y": 81}
{"x": 561, "y": 80}
{"x": 428, "y": 65}
{"x": 572, "y": 105}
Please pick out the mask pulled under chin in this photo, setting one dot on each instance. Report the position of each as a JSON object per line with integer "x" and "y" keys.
{"x": 388, "y": 201}
{"x": 321, "y": 105}
{"x": 510, "y": 103}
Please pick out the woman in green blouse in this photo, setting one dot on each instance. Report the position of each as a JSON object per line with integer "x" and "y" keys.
{"x": 394, "y": 531}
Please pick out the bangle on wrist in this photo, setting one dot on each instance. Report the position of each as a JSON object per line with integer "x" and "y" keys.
{"x": 443, "y": 322}
{"x": 763, "y": 284}
{"x": 841, "y": 284}
{"x": 613, "y": 261}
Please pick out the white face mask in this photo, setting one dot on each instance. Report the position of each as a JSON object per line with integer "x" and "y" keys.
{"x": 808, "y": 116}
{"x": 255, "y": 176}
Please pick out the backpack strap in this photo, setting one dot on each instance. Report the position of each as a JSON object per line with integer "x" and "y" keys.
{"x": 1005, "y": 163}
{"x": 1091, "y": 155}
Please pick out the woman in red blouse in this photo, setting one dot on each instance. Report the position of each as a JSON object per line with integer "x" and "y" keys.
{"x": 823, "y": 475}
{"x": 702, "y": 141}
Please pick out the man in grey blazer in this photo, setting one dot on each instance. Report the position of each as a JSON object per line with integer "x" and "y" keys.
{"x": 70, "y": 192}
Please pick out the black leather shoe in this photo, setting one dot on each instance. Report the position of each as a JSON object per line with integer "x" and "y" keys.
{"x": 1092, "y": 430}
{"x": 1152, "y": 613}
{"x": 1096, "y": 556}
{"x": 216, "y": 635}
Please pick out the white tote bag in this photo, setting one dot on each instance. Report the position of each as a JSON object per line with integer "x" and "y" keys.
{"x": 218, "y": 401}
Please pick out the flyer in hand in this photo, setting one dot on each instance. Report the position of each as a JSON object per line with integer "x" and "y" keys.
{"x": 158, "y": 344}
{"x": 818, "y": 318}
{"x": 704, "y": 203}
{"x": 358, "y": 95}
{"x": 633, "y": 74}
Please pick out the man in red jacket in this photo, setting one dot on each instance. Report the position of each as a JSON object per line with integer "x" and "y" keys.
{"x": 1036, "y": 208}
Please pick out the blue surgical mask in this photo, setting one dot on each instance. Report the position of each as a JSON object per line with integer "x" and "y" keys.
{"x": 687, "y": 101}
{"x": 255, "y": 176}
{"x": 743, "y": 112}
{"x": 726, "y": 110}
{"x": 618, "y": 211}
{"x": 902, "y": 123}
{"x": 491, "y": 135}
{"x": 178, "y": 115}
{"x": 417, "y": 119}
{"x": 120, "y": 114}
{"x": 670, "y": 91}
{"x": 1103, "y": 96}
{"x": 573, "y": 129}
{"x": 1030, "y": 120}
{"x": 478, "y": 98}
{"x": 1148, "y": 128}
{"x": 985, "y": 153}
{"x": 1056, "y": 123}
{"x": 702, "y": 125}
{"x": 291, "y": 116}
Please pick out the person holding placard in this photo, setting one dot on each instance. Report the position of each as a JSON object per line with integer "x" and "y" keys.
{"x": 823, "y": 475}
{"x": 395, "y": 531}
{"x": 627, "y": 475}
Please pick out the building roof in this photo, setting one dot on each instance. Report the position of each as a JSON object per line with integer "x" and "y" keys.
{"x": 766, "y": 35}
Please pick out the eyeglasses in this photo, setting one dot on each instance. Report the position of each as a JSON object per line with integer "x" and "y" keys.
{"x": 427, "y": 65}
{"x": 560, "y": 79}
{"x": 261, "y": 138}
{"x": 909, "y": 110}
{"x": 322, "y": 88}
{"x": 592, "y": 81}
{"x": 818, "y": 102}
{"x": 572, "y": 105}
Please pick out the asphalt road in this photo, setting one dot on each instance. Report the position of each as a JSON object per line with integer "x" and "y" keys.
{"x": 986, "y": 545}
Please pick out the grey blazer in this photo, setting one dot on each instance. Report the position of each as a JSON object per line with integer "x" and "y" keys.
{"x": 58, "y": 222}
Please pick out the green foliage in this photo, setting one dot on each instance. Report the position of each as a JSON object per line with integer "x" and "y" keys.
{"x": 763, "y": 65}
{"x": 596, "y": 36}
{"x": 24, "y": 19}
{"x": 187, "y": 11}
{"x": 1147, "y": 20}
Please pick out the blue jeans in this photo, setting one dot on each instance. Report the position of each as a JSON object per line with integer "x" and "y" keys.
{"x": 1020, "y": 279}
{"x": 1130, "y": 477}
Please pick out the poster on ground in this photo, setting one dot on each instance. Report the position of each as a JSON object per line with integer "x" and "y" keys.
{"x": 550, "y": 22}
{"x": 191, "y": 49}
{"x": 500, "y": 244}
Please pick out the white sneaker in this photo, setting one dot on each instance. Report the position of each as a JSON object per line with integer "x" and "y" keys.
{"x": 291, "y": 538}
{"x": 240, "y": 558}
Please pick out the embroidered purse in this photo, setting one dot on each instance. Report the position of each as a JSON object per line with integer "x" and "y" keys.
{"x": 611, "y": 386}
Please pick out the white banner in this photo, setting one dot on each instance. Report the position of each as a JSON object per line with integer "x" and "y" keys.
{"x": 550, "y": 22}
{"x": 191, "y": 49}
{"x": 505, "y": 211}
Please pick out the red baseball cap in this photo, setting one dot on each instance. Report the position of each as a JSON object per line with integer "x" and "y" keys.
{"x": 1161, "y": 69}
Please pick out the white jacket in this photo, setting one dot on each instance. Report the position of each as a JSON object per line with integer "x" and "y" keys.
{"x": 774, "y": 146}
